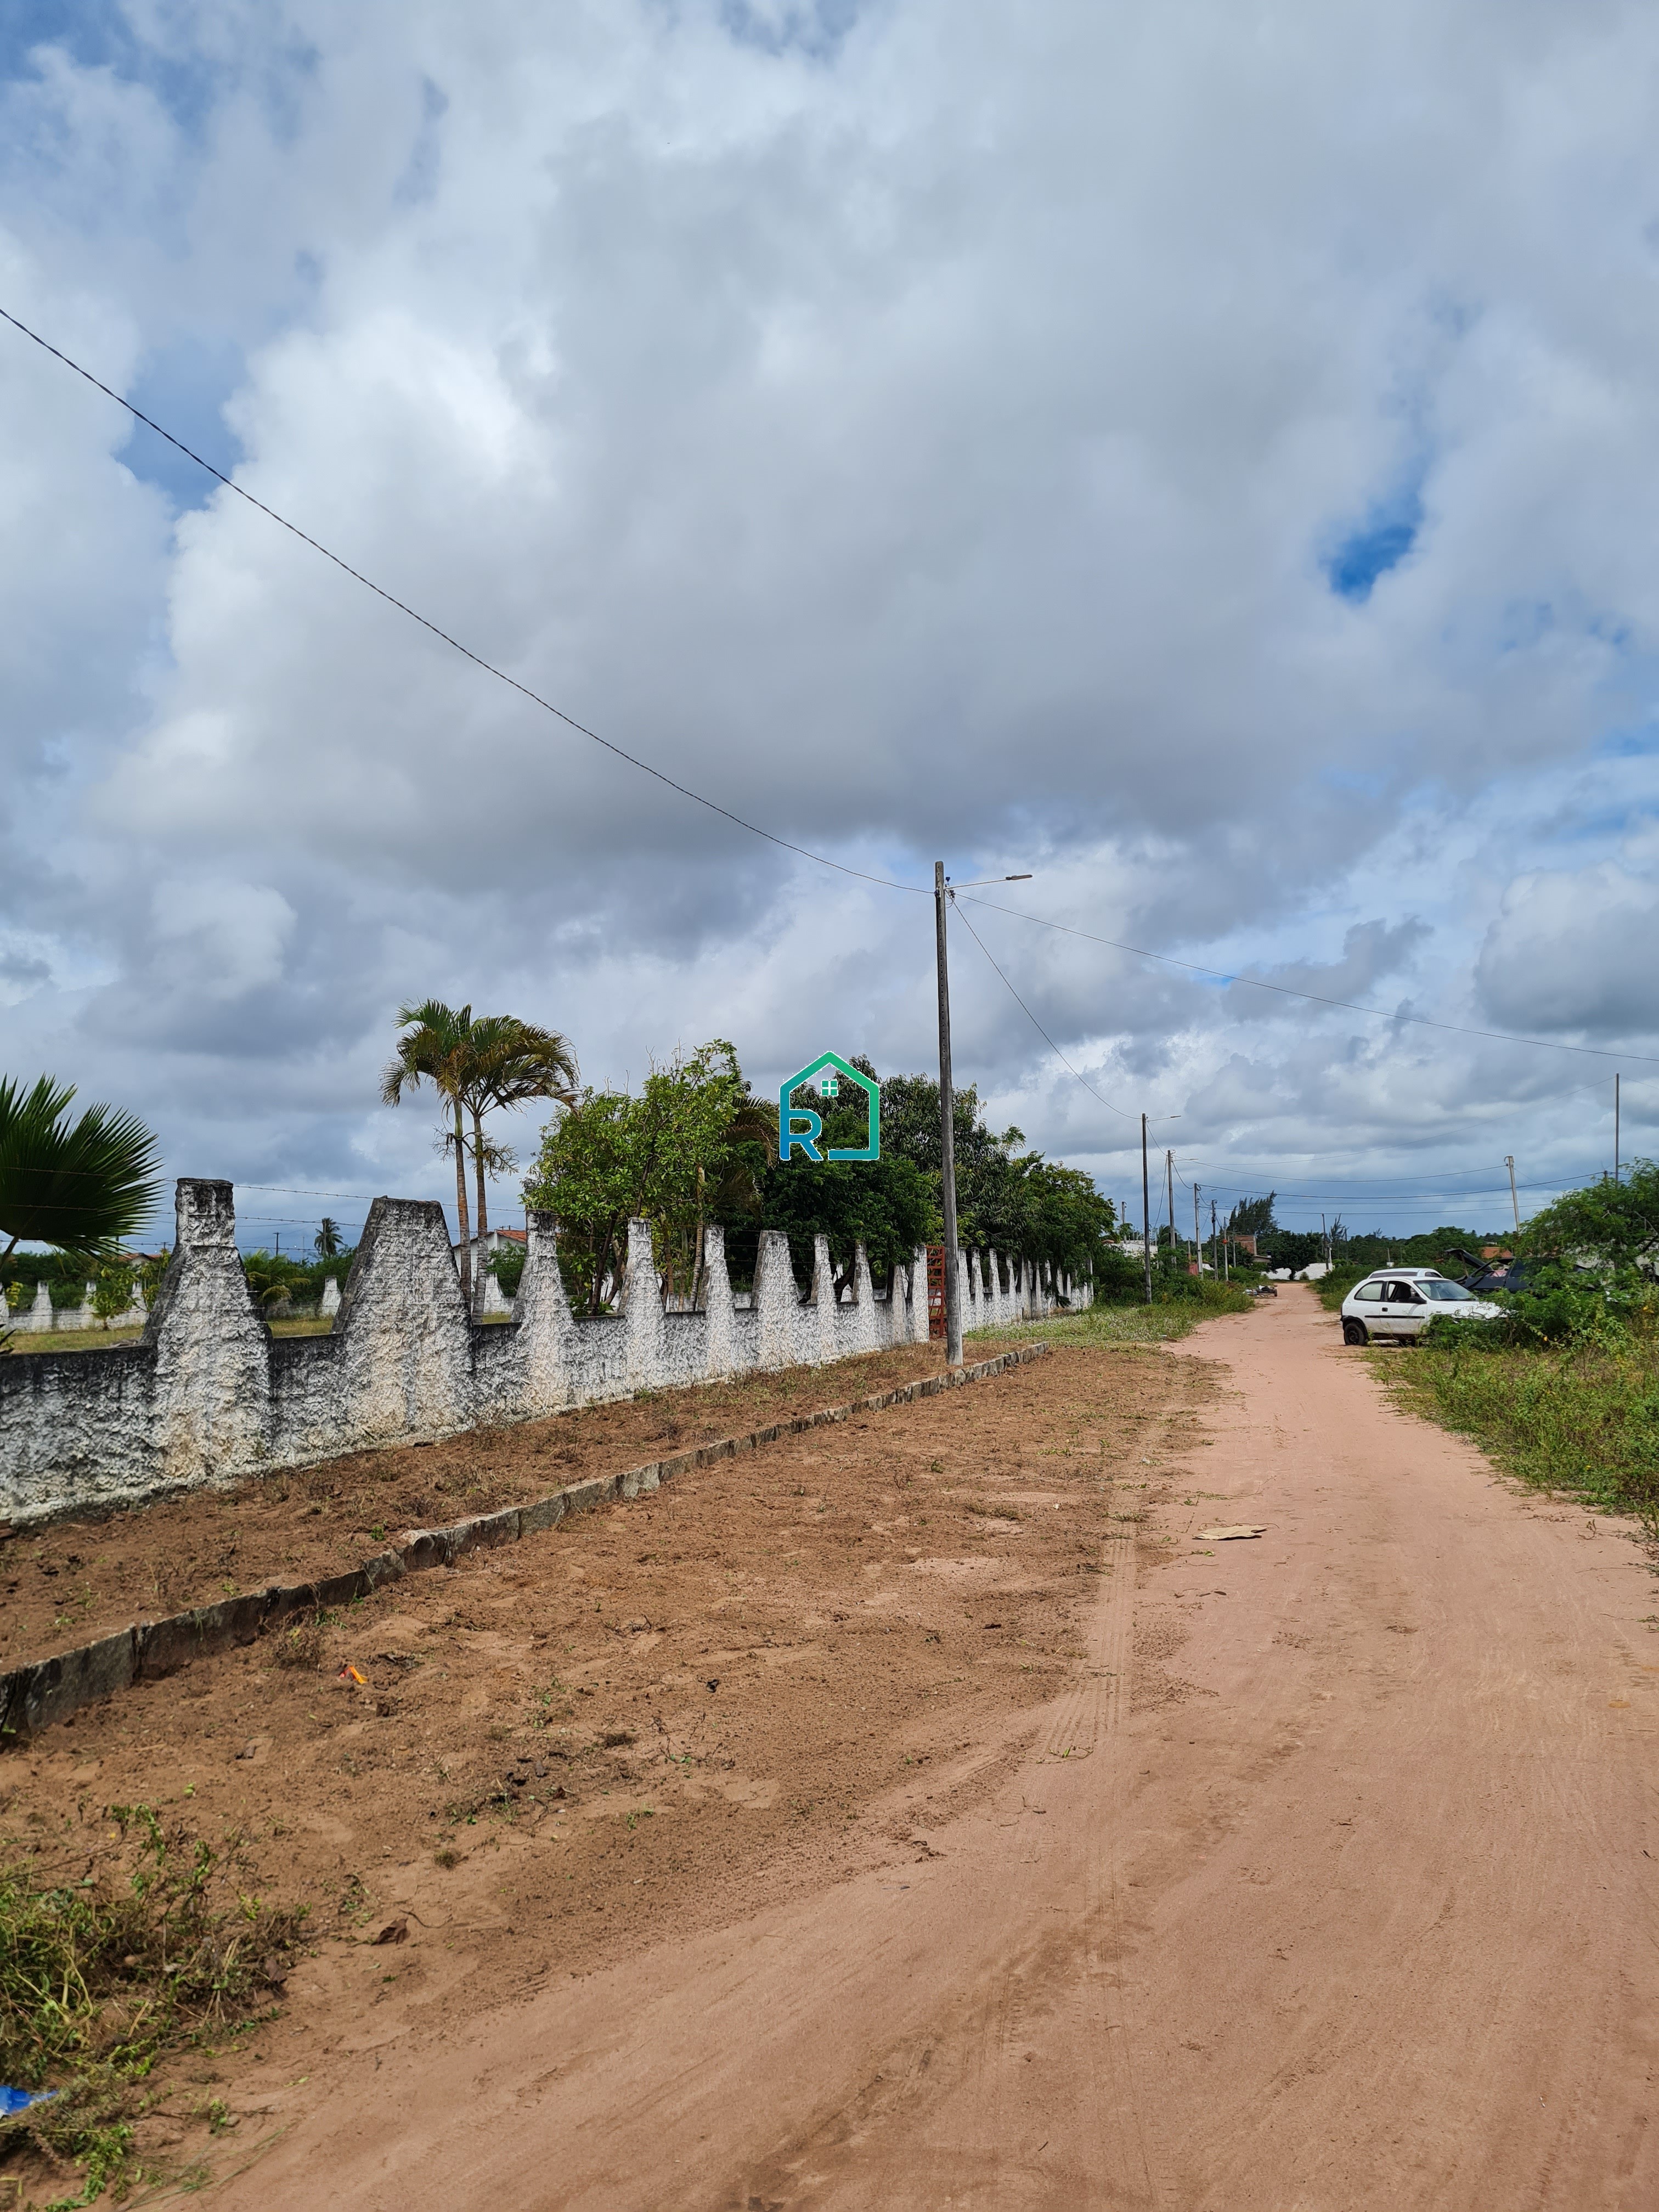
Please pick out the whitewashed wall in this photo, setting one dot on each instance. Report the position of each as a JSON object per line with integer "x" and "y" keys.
{"x": 209, "y": 1395}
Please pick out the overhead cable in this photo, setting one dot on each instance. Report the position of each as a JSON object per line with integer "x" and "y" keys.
{"x": 754, "y": 829}
{"x": 821, "y": 859}
{"x": 1316, "y": 998}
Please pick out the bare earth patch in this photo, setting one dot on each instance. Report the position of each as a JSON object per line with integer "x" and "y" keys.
{"x": 661, "y": 1714}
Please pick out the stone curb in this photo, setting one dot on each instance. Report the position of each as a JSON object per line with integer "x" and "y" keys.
{"x": 32, "y": 1698}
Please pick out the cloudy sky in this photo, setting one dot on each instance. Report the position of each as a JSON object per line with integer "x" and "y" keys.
{"x": 1207, "y": 456}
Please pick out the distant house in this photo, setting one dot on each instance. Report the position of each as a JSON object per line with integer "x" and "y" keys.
{"x": 1241, "y": 1243}
{"x": 498, "y": 1240}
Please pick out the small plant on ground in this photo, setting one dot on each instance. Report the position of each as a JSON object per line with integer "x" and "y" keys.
{"x": 98, "y": 1980}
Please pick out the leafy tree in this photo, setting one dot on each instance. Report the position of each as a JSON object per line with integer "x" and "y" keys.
{"x": 83, "y": 1185}
{"x": 1253, "y": 1216}
{"x": 1612, "y": 1226}
{"x": 511, "y": 1063}
{"x": 1591, "y": 1263}
{"x": 476, "y": 1067}
{"x": 674, "y": 1155}
{"x": 435, "y": 1049}
{"x": 1017, "y": 1202}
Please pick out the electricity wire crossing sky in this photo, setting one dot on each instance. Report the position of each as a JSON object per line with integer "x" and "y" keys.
{"x": 531, "y": 560}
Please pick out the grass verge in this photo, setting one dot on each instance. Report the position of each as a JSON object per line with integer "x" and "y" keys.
{"x": 97, "y": 1982}
{"x": 1168, "y": 1317}
{"x": 1581, "y": 1417}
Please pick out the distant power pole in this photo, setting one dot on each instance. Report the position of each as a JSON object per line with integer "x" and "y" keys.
{"x": 1325, "y": 1237}
{"x": 1615, "y": 1128}
{"x": 1168, "y": 1178}
{"x": 1146, "y": 1213}
{"x": 1197, "y": 1237}
{"x": 947, "y": 1117}
{"x": 1515, "y": 1203}
{"x": 1218, "y": 1250}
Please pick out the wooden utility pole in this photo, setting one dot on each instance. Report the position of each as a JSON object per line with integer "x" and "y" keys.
{"x": 1615, "y": 1128}
{"x": 1169, "y": 1199}
{"x": 1198, "y": 1239}
{"x": 1218, "y": 1250}
{"x": 947, "y": 1130}
{"x": 1145, "y": 1212}
{"x": 1515, "y": 1203}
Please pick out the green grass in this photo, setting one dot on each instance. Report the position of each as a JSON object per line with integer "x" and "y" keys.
{"x": 76, "y": 1339}
{"x": 101, "y": 1339}
{"x": 1162, "y": 1323}
{"x": 1580, "y": 1418}
{"x": 96, "y": 1982}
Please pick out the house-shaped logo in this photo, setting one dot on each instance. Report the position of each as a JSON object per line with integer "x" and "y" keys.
{"x": 798, "y": 1126}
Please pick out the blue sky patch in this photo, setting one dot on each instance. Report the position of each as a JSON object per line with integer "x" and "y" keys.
{"x": 1381, "y": 543}
{"x": 185, "y": 386}
{"x": 96, "y": 34}
{"x": 817, "y": 28}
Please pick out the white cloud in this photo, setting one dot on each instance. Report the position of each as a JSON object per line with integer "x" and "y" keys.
{"x": 925, "y": 430}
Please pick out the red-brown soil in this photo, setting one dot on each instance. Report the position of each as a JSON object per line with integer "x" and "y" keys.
{"x": 1326, "y": 1880}
{"x": 660, "y": 1717}
{"x": 77, "y": 1580}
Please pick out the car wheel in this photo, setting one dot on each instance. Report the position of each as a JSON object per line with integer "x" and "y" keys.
{"x": 1355, "y": 1332}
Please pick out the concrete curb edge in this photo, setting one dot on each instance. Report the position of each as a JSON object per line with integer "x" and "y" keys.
{"x": 32, "y": 1697}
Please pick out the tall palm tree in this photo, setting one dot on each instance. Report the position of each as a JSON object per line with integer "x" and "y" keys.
{"x": 437, "y": 1049}
{"x": 512, "y": 1062}
{"x": 81, "y": 1185}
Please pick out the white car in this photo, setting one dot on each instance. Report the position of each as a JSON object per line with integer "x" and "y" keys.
{"x": 1396, "y": 1305}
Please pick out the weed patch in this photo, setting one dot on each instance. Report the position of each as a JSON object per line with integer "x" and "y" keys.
{"x": 96, "y": 1982}
{"x": 1581, "y": 1417}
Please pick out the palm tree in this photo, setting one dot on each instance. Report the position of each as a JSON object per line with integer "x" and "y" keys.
{"x": 437, "y": 1049}
{"x": 326, "y": 1241}
{"x": 83, "y": 1185}
{"x": 511, "y": 1062}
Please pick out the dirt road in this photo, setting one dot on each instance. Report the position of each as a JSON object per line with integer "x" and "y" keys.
{"x": 1325, "y": 1884}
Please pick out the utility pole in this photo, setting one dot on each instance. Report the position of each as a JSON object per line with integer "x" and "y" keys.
{"x": 1515, "y": 1203}
{"x": 1218, "y": 1250}
{"x": 1615, "y": 1128}
{"x": 1198, "y": 1238}
{"x": 1325, "y": 1239}
{"x": 1168, "y": 1180}
{"x": 947, "y": 1131}
{"x": 1145, "y": 1212}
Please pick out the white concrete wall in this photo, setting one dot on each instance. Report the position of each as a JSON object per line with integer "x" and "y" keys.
{"x": 209, "y": 1395}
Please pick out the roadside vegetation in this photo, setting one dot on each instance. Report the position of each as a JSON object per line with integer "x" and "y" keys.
{"x": 695, "y": 1145}
{"x": 1178, "y": 1307}
{"x": 102, "y": 1976}
{"x": 1564, "y": 1390}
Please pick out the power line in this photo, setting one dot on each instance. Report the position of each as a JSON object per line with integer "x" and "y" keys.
{"x": 785, "y": 844}
{"x": 1119, "y": 1111}
{"x": 1313, "y": 997}
{"x": 477, "y": 659}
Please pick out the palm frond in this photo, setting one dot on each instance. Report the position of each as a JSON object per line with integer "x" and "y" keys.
{"x": 83, "y": 1185}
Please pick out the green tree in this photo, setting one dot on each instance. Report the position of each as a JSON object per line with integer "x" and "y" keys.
{"x": 327, "y": 1243}
{"x": 511, "y": 1063}
{"x": 112, "y": 1291}
{"x": 1253, "y": 1216}
{"x": 1013, "y": 1201}
{"x": 435, "y": 1048}
{"x": 672, "y": 1155}
{"x": 83, "y": 1185}
{"x": 1591, "y": 1260}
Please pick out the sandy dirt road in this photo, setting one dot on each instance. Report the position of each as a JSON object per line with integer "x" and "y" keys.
{"x": 1325, "y": 1884}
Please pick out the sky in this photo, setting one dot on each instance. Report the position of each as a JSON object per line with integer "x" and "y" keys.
{"x": 1206, "y": 458}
